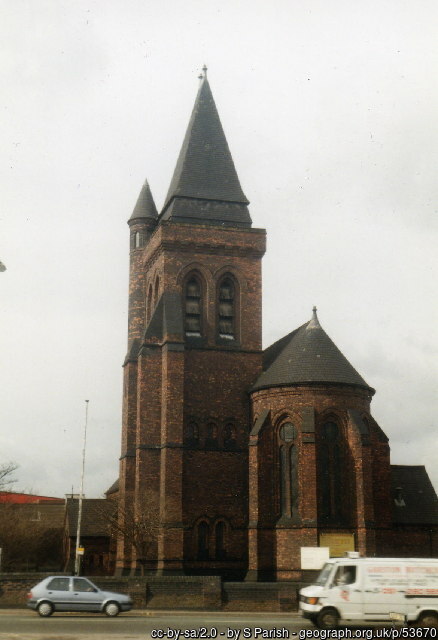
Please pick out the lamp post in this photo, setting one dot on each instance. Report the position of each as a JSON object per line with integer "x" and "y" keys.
{"x": 79, "y": 550}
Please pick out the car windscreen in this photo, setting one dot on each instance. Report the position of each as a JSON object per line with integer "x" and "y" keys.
{"x": 323, "y": 576}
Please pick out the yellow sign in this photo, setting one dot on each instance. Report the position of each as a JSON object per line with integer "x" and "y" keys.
{"x": 338, "y": 543}
{"x": 80, "y": 551}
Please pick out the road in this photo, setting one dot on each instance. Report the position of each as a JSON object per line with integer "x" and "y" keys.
{"x": 18, "y": 624}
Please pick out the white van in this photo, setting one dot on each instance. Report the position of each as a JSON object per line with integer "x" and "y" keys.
{"x": 365, "y": 589}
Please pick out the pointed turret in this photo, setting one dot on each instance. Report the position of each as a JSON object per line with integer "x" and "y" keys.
{"x": 142, "y": 224}
{"x": 307, "y": 356}
{"x": 205, "y": 188}
{"x": 145, "y": 206}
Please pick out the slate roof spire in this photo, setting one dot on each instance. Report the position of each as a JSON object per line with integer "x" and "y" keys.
{"x": 307, "y": 356}
{"x": 145, "y": 206}
{"x": 205, "y": 188}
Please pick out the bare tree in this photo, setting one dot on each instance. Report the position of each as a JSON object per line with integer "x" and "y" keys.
{"x": 7, "y": 470}
{"x": 137, "y": 525}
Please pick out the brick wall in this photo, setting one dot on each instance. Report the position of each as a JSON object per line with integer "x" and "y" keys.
{"x": 177, "y": 592}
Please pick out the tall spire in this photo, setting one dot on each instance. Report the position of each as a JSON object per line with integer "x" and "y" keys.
{"x": 205, "y": 187}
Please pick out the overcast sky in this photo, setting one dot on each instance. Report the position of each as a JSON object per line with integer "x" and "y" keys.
{"x": 330, "y": 111}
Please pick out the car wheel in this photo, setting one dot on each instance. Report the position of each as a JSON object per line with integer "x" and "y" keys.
{"x": 45, "y": 609}
{"x": 111, "y": 609}
{"x": 428, "y": 619}
{"x": 327, "y": 619}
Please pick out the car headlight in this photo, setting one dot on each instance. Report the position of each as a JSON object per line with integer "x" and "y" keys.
{"x": 312, "y": 600}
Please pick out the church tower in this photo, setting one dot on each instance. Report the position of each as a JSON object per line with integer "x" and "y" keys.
{"x": 194, "y": 351}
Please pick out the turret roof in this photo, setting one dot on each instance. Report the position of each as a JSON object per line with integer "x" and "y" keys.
{"x": 205, "y": 187}
{"x": 307, "y": 356}
{"x": 145, "y": 207}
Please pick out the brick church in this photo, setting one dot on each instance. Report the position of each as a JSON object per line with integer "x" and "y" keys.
{"x": 237, "y": 456}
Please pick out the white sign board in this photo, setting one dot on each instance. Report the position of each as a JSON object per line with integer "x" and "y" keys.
{"x": 314, "y": 557}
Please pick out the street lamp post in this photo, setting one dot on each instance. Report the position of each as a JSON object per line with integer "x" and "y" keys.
{"x": 81, "y": 497}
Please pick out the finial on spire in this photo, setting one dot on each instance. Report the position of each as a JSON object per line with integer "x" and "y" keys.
{"x": 204, "y": 69}
{"x": 314, "y": 322}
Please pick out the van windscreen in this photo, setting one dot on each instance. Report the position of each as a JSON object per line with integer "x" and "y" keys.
{"x": 323, "y": 576}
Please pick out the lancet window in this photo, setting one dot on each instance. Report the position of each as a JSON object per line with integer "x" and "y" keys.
{"x": 193, "y": 307}
{"x": 288, "y": 459}
{"x": 226, "y": 309}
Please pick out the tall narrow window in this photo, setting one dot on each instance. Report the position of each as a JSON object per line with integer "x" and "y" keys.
{"x": 220, "y": 540}
{"x": 226, "y": 310}
{"x": 138, "y": 240}
{"x": 202, "y": 541}
{"x": 287, "y": 436}
{"x": 330, "y": 472}
{"x": 229, "y": 433}
{"x": 149, "y": 304}
{"x": 157, "y": 289}
{"x": 193, "y": 434}
{"x": 193, "y": 307}
{"x": 211, "y": 435}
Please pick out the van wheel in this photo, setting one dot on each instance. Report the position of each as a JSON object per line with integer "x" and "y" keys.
{"x": 111, "y": 609}
{"x": 327, "y": 619}
{"x": 45, "y": 609}
{"x": 428, "y": 619}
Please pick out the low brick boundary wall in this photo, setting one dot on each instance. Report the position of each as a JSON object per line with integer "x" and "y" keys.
{"x": 259, "y": 596}
{"x": 207, "y": 593}
{"x": 15, "y": 586}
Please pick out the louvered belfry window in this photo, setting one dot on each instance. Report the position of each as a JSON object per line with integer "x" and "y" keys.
{"x": 193, "y": 307}
{"x": 226, "y": 309}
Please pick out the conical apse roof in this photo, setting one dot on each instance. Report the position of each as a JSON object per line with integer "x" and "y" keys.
{"x": 307, "y": 356}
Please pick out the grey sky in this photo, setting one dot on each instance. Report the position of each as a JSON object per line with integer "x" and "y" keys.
{"x": 329, "y": 109}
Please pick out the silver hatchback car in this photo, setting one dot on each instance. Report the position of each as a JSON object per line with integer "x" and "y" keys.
{"x": 64, "y": 593}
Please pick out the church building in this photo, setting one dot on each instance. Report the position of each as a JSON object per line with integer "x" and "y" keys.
{"x": 234, "y": 457}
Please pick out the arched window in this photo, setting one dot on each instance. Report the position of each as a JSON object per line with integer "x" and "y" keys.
{"x": 149, "y": 304}
{"x": 211, "y": 435}
{"x": 288, "y": 458}
{"x": 157, "y": 288}
{"x": 329, "y": 464}
{"x": 193, "y": 307}
{"x": 226, "y": 309}
{"x": 220, "y": 552}
{"x": 203, "y": 540}
{"x": 138, "y": 240}
{"x": 193, "y": 433}
{"x": 229, "y": 434}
